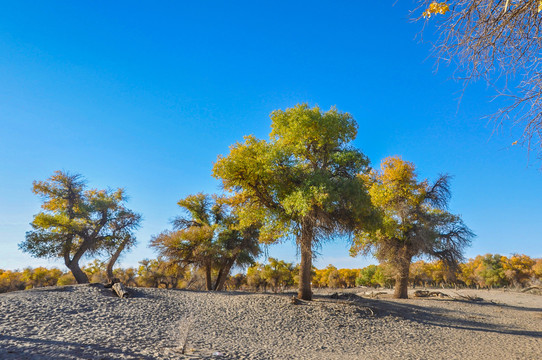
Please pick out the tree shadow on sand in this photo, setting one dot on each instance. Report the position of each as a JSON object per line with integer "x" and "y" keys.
{"x": 443, "y": 317}
{"x": 63, "y": 350}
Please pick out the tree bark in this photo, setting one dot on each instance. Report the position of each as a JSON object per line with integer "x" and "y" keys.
{"x": 78, "y": 274}
{"x": 218, "y": 277}
{"x": 305, "y": 267}
{"x": 73, "y": 264}
{"x": 224, "y": 272}
{"x": 208, "y": 278}
{"x": 120, "y": 290}
{"x": 401, "y": 280}
{"x": 114, "y": 259}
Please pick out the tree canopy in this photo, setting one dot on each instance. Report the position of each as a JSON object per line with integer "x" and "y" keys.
{"x": 302, "y": 182}
{"x": 208, "y": 237}
{"x": 76, "y": 221}
{"x": 414, "y": 220}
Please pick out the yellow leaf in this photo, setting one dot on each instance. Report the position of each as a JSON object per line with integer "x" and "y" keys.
{"x": 437, "y": 8}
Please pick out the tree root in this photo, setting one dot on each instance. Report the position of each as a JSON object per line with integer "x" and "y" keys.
{"x": 426, "y": 293}
{"x": 469, "y": 297}
{"x": 534, "y": 287}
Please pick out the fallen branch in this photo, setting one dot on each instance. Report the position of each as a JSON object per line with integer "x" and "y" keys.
{"x": 534, "y": 287}
{"x": 120, "y": 290}
{"x": 375, "y": 295}
{"x": 426, "y": 293}
{"x": 469, "y": 297}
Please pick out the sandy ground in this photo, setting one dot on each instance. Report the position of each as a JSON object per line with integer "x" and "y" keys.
{"x": 86, "y": 322}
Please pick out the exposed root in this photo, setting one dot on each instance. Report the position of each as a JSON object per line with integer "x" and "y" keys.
{"x": 469, "y": 297}
{"x": 373, "y": 294}
{"x": 531, "y": 288}
{"x": 426, "y": 293}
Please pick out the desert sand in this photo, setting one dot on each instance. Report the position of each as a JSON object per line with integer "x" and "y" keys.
{"x": 87, "y": 322}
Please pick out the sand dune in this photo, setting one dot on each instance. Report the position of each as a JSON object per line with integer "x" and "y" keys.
{"x": 86, "y": 322}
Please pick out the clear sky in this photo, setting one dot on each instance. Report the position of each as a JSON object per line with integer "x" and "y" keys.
{"x": 145, "y": 94}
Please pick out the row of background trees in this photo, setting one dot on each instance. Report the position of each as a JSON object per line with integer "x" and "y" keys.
{"x": 487, "y": 271}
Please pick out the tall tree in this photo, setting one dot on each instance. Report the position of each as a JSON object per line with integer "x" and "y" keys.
{"x": 208, "y": 237}
{"x": 75, "y": 221}
{"x": 414, "y": 221}
{"x": 489, "y": 40}
{"x": 302, "y": 183}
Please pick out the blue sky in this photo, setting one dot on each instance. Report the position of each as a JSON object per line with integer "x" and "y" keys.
{"x": 145, "y": 95}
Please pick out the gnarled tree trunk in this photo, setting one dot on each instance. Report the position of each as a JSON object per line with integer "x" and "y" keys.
{"x": 78, "y": 274}
{"x": 305, "y": 267}
{"x": 73, "y": 265}
{"x": 114, "y": 259}
{"x": 223, "y": 273}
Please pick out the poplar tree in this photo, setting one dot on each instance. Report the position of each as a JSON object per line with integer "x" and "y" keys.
{"x": 302, "y": 183}
{"x": 76, "y": 221}
{"x": 208, "y": 237}
{"x": 414, "y": 221}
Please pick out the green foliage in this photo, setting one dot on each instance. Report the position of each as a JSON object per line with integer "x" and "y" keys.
{"x": 306, "y": 167}
{"x": 278, "y": 273}
{"x": 302, "y": 183}
{"x": 366, "y": 276}
{"x": 414, "y": 220}
{"x": 157, "y": 273}
{"x": 76, "y": 221}
{"x": 255, "y": 279}
{"x": 210, "y": 238}
{"x": 236, "y": 282}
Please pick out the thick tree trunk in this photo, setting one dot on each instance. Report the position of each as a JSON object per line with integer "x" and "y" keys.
{"x": 208, "y": 278}
{"x": 223, "y": 274}
{"x": 401, "y": 280}
{"x": 218, "y": 276}
{"x": 305, "y": 267}
{"x": 78, "y": 274}
{"x": 73, "y": 264}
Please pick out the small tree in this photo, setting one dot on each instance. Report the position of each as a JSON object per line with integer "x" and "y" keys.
{"x": 302, "y": 183}
{"x": 518, "y": 269}
{"x": 75, "y": 221}
{"x": 255, "y": 277}
{"x": 209, "y": 238}
{"x": 365, "y": 276}
{"x": 414, "y": 221}
{"x": 278, "y": 273}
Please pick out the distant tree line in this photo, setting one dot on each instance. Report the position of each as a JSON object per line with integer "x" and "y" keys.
{"x": 484, "y": 271}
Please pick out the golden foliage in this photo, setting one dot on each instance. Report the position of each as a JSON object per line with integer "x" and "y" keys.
{"x": 436, "y": 8}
